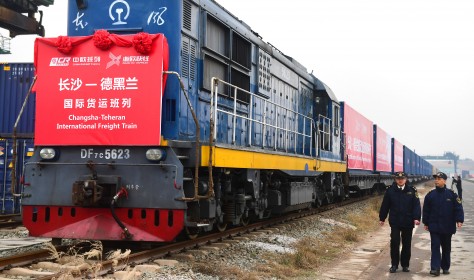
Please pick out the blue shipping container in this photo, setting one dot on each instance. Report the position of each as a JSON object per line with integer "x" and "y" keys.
{"x": 15, "y": 82}
{"x": 409, "y": 161}
{"x": 10, "y": 204}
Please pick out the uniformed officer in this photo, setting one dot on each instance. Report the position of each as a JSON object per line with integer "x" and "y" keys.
{"x": 442, "y": 212}
{"x": 403, "y": 203}
{"x": 458, "y": 183}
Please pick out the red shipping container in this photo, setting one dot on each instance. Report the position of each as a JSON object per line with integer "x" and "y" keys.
{"x": 383, "y": 150}
{"x": 359, "y": 140}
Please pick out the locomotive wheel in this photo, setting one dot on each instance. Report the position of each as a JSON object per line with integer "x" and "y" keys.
{"x": 221, "y": 226}
{"x": 319, "y": 203}
{"x": 244, "y": 221}
{"x": 192, "y": 232}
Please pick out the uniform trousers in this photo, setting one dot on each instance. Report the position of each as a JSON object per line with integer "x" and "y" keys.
{"x": 459, "y": 192}
{"x": 404, "y": 257}
{"x": 440, "y": 259}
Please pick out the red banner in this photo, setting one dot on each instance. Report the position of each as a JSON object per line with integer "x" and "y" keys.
{"x": 383, "y": 158}
{"x": 359, "y": 140}
{"x": 106, "y": 92}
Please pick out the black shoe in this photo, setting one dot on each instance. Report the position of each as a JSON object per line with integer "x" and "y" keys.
{"x": 406, "y": 269}
{"x": 446, "y": 271}
{"x": 434, "y": 272}
{"x": 393, "y": 269}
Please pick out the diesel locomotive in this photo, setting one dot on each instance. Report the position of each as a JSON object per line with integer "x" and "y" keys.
{"x": 156, "y": 118}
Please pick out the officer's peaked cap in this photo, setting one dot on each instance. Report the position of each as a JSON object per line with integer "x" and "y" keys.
{"x": 440, "y": 175}
{"x": 400, "y": 174}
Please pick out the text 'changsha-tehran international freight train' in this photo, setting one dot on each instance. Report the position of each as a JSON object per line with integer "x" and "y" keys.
{"x": 155, "y": 118}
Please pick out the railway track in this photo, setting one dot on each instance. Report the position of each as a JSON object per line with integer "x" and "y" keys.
{"x": 10, "y": 221}
{"x": 22, "y": 264}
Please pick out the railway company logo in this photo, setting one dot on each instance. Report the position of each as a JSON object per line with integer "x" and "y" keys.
{"x": 127, "y": 60}
{"x": 114, "y": 60}
{"x": 60, "y": 61}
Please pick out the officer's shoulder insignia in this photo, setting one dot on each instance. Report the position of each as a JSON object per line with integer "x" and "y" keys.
{"x": 414, "y": 188}
{"x": 458, "y": 200}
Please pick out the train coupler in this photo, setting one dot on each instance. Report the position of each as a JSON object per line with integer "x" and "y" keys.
{"x": 86, "y": 193}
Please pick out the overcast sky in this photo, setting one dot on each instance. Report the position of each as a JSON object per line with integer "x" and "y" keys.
{"x": 407, "y": 65}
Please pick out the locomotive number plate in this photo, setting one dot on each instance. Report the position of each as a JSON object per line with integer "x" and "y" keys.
{"x": 105, "y": 153}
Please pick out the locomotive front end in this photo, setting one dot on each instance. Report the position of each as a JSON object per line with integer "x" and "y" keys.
{"x": 104, "y": 193}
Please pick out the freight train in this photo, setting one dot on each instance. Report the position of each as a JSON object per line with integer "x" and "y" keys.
{"x": 157, "y": 118}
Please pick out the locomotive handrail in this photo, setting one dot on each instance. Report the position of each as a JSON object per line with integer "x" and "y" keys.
{"x": 210, "y": 192}
{"x": 101, "y": 163}
{"x": 316, "y": 135}
{"x": 285, "y": 128}
{"x": 13, "y": 173}
{"x": 42, "y": 163}
{"x": 325, "y": 131}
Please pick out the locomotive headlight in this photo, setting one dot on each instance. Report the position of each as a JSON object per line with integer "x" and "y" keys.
{"x": 47, "y": 153}
{"x": 155, "y": 154}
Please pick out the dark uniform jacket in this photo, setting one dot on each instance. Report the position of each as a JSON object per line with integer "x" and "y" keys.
{"x": 442, "y": 209}
{"x": 403, "y": 205}
{"x": 458, "y": 183}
